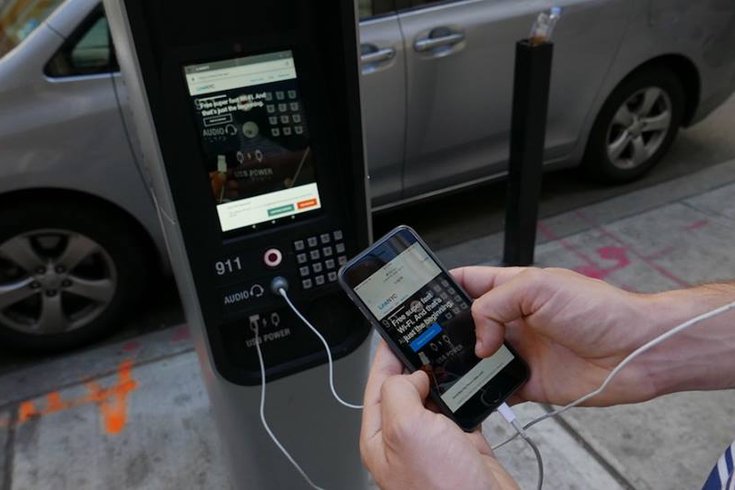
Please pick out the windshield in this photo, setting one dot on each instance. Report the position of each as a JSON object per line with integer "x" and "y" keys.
{"x": 18, "y": 18}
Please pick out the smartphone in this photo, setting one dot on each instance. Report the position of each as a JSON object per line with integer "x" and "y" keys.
{"x": 425, "y": 317}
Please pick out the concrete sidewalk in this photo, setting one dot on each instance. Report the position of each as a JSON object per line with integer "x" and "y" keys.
{"x": 135, "y": 415}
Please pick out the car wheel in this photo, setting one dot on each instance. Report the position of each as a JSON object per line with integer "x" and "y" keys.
{"x": 67, "y": 274}
{"x": 636, "y": 126}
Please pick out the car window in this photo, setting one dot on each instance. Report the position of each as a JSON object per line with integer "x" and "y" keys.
{"x": 18, "y": 18}
{"x": 414, "y": 4}
{"x": 374, "y": 8}
{"x": 88, "y": 50}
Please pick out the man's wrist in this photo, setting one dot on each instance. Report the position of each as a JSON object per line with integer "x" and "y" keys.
{"x": 699, "y": 358}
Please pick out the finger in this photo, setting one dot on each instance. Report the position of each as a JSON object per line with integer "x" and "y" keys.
{"x": 478, "y": 280}
{"x": 385, "y": 364}
{"x": 514, "y": 300}
{"x": 402, "y": 401}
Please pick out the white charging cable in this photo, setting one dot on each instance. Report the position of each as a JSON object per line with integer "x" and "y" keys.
{"x": 284, "y": 295}
{"x": 645, "y": 347}
{"x": 279, "y": 287}
{"x": 510, "y": 417}
{"x": 265, "y": 422}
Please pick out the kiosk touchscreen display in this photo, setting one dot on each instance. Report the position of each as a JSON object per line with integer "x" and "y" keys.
{"x": 253, "y": 131}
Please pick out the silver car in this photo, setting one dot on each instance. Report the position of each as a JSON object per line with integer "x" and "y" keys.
{"x": 79, "y": 238}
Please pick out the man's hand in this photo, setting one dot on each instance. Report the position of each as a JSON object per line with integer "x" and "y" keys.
{"x": 570, "y": 329}
{"x": 406, "y": 446}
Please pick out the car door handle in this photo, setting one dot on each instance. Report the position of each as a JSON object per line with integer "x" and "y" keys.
{"x": 377, "y": 56}
{"x": 432, "y": 42}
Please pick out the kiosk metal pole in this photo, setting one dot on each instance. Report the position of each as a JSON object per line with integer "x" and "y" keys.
{"x": 248, "y": 117}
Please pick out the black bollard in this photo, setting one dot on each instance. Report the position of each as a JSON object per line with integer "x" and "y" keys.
{"x": 527, "y": 138}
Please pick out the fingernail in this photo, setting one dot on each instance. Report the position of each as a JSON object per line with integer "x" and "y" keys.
{"x": 478, "y": 346}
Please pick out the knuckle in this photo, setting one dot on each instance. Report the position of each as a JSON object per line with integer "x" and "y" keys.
{"x": 399, "y": 431}
{"x": 533, "y": 275}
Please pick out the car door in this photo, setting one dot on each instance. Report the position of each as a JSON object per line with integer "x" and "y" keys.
{"x": 383, "y": 91}
{"x": 460, "y": 59}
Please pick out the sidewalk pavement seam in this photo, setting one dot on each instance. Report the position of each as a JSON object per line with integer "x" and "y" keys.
{"x": 727, "y": 220}
{"x": 624, "y": 206}
{"x": 593, "y": 224}
{"x": 582, "y": 441}
{"x": 9, "y": 452}
{"x": 9, "y": 405}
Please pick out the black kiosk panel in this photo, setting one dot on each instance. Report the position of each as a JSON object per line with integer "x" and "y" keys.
{"x": 261, "y": 141}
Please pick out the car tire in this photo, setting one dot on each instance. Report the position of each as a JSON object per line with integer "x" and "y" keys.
{"x": 635, "y": 127}
{"x": 69, "y": 273}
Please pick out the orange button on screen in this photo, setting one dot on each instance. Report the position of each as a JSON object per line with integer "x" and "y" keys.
{"x": 306, "y": 204}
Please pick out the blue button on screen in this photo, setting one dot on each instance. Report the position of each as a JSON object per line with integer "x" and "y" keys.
{"x": 425, "y": 337}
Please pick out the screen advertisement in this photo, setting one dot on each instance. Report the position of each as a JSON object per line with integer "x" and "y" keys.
{"x": 425, "y": 314}
{"x": 252, "y": 126}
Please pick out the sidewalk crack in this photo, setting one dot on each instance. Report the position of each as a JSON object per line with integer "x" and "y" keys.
{"x": 610, "y": 468}
{"x": 7, "y": 480}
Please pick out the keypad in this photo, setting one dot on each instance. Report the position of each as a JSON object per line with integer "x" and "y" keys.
{"x": 284, "y": 113}
{"x": 319, "y": 257}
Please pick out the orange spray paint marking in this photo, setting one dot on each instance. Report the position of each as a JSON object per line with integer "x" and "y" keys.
{"x": 54, "y": 403}
{"x": 112, "y": 402}
{"x": 26, "y": 411}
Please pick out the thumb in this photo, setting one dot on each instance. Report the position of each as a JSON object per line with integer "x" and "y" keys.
{"x": 489, "y": 333}
{"x": 420, "y": 381}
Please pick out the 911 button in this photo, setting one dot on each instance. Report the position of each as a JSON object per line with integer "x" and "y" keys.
{"x": 273, "y": 257}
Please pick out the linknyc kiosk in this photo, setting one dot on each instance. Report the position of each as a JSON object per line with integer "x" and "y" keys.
{"x": 248, "y": 116}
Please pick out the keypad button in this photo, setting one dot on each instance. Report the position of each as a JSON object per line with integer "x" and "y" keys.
{"x": 342, "y": 260}
{"x": 287, "y": 131}
{"x": 337, "y": 234}
{"x": 314, "y": 254}
{"x": 332, "y": 276}
{"x": 298, "y": 245}
{"x": 312, "y": 241}
{"x": 269, "y": 96}
{"x": 296, "y": 118}
{"x": 325, "y": 238}
{"x": 340, "y": 247}
{"x": 282, "y": 107}
{"x": 306, "y": 284}
{"x": 304, "y": 271}
{"x": 298, "y": 129}
{"x": 275, "y": 132}
{"x": 273, "y": 120}
{"x": 285, "y": 119}
{"x": 301, "y": 258}
{"x": 318, "y": 267}
{"x": 294, "y": 106}
{"x": 291, "y": 94}
{"x": 280, "y": 95}
{"x": 329, "y": 263}
{"x": 327, "y": 251}
{"x": 270, "y": 108}
{"x": 319, "y": 280}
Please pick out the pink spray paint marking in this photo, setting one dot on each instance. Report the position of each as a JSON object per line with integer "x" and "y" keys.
{"x": 646, "y": 259}
{"x": 131, "y": 346}
{"x": 181, "y": 333}
{"x": 618, "y": 254}
{"x": 590, "y": 268}
{"x": 697, "y": 225}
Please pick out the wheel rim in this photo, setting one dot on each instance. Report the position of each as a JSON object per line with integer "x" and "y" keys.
{"x": 639, "y": 128}
{"x": 54, "y": 281}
